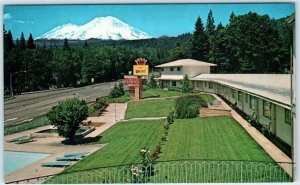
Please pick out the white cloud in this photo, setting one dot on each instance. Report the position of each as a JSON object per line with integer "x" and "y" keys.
{"x": 20, "y": 21}
{"x": 7, "y": 16}
{"x": 24, "y": 22}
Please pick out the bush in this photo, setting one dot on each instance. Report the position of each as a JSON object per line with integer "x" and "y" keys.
{"x": 152, "y": 82}
{"x": 117, "y": 91}
{"x": 121, "y": 87}
{"x": 170, "y": 117}
{"x": 188, "y": 106}
{"x": 100, "y": 102}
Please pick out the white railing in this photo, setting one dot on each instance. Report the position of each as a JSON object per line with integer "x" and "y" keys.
{"x": 191, "y": 171}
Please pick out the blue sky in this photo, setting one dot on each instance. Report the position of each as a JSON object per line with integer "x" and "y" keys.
{"x": 156, "y": 20}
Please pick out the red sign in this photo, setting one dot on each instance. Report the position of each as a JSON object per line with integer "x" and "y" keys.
{"x": 133, "y": 82}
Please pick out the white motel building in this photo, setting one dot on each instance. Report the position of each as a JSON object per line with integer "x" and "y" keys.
{"x": 266, "y": 97}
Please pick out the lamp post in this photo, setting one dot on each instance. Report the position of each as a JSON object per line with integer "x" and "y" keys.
{"x": 10, "y": 81}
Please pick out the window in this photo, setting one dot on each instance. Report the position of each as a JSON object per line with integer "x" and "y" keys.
{"x": 171, "y": 69}
{"x": 232, "y": 93}
{"x": 247, "y": 98}
{"x": 178, "y": 68}
{"x": 205, "y": 84}
{"x": 288, "y": 116}
{"x": 210, "y": 85}
{"x": 253, "y": 102}
{"x": 173, "y": 83}
{"x": 198, "y": 84}
{"x": 162, "y": 69}
{"x": 267, "y": 109}
{"x": 240, "y": 94}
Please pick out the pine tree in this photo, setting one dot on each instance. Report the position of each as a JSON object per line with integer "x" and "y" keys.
{"x": 232, "y": 16}
{"x": 210, "y": 27}
{"x": 85, "y": 44}
{"x": 66, "y": 44}
{"x": 219, "y": 27}
{"x": 199, "y": 42}
{"x": 8, "y": 41}
{"x": 22, "y": 41}
{"x": 17, "y": 43}
{"x": 186, "y": 85}
{"x": 30, "y": 42}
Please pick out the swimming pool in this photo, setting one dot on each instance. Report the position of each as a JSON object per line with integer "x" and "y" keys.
{"x": 16, "y": 160}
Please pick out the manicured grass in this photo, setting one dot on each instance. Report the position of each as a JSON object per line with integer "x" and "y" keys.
{"x": 156, "y": 107}
{"x": 37, "y": 122}
{"x": 165, "y": 93}
{"x": 125, "y": 140}
{"x": 149, "y": 108}
{"x": 212, "y": 138}
{"x": 207, "y": 97}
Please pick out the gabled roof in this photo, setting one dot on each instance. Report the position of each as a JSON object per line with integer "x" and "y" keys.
{"x": 186, "y": 62}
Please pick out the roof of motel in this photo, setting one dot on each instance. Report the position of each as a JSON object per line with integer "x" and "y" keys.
{"x": 276, "y": 87}
{"x": 186, "y": 62}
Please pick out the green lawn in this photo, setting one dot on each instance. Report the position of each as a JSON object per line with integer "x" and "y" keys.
{"x": 213, "y": 138}
{"x": 125, "y": 139}
{"x": 149, "y": 108}
{"x": 165, "y": 93}
{"x": 155, "y": 107}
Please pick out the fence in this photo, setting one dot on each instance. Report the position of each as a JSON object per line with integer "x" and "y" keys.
{"x": 175, "y": 172}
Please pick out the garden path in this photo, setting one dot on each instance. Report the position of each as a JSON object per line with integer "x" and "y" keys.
{"x": 114, "y": 113}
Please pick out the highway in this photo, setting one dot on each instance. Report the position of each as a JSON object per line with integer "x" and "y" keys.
{"x": 26, "y": 107}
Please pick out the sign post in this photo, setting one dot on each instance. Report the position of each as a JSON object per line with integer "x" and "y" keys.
{"x": 135, "y": 82}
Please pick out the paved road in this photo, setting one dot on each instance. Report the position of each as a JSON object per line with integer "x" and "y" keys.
{"x": 28, "y": 106}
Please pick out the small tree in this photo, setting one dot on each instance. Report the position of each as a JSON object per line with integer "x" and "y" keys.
{"x": 186, "y": 85}
{"x": 67, "y": 116}
{"x": 152, "y": 83}
{"x": 121, "y": 87}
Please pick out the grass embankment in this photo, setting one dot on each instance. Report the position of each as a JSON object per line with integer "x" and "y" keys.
{"x": 36, "y": 122}
{"x": 125, "y": 140}
{"x": 149, "y": 108}
{"x": 211, "y": 138}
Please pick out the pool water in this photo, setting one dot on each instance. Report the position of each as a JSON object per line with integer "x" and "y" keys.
{"x": 16, "y": 160}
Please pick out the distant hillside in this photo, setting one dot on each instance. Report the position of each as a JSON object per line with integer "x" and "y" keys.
{"x": 161, "y": 42}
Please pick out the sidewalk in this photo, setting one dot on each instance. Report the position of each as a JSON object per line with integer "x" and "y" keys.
{"x": 114, "y": 113}
{"x": 274, "y": 152}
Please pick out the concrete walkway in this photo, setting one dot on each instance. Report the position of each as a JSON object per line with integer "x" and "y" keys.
{"x": 114, "y": 113}
{"x": 273, "y": 151}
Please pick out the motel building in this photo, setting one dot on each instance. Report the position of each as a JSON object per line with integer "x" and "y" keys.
{"x": 266, "y": 98}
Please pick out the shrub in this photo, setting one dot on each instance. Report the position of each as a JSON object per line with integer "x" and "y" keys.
{"x": 188, "y": 106}
{"x": 100, "y": 102}
{"x": 117, "y": 91}
{"x": 152, "y": 82}
{"x": 170, "y": 117}
{"x": 121, "y": 87}
{"x": 166, "y": 125}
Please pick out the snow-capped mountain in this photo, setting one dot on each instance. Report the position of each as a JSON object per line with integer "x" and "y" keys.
{"x": 106, "y": 28}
